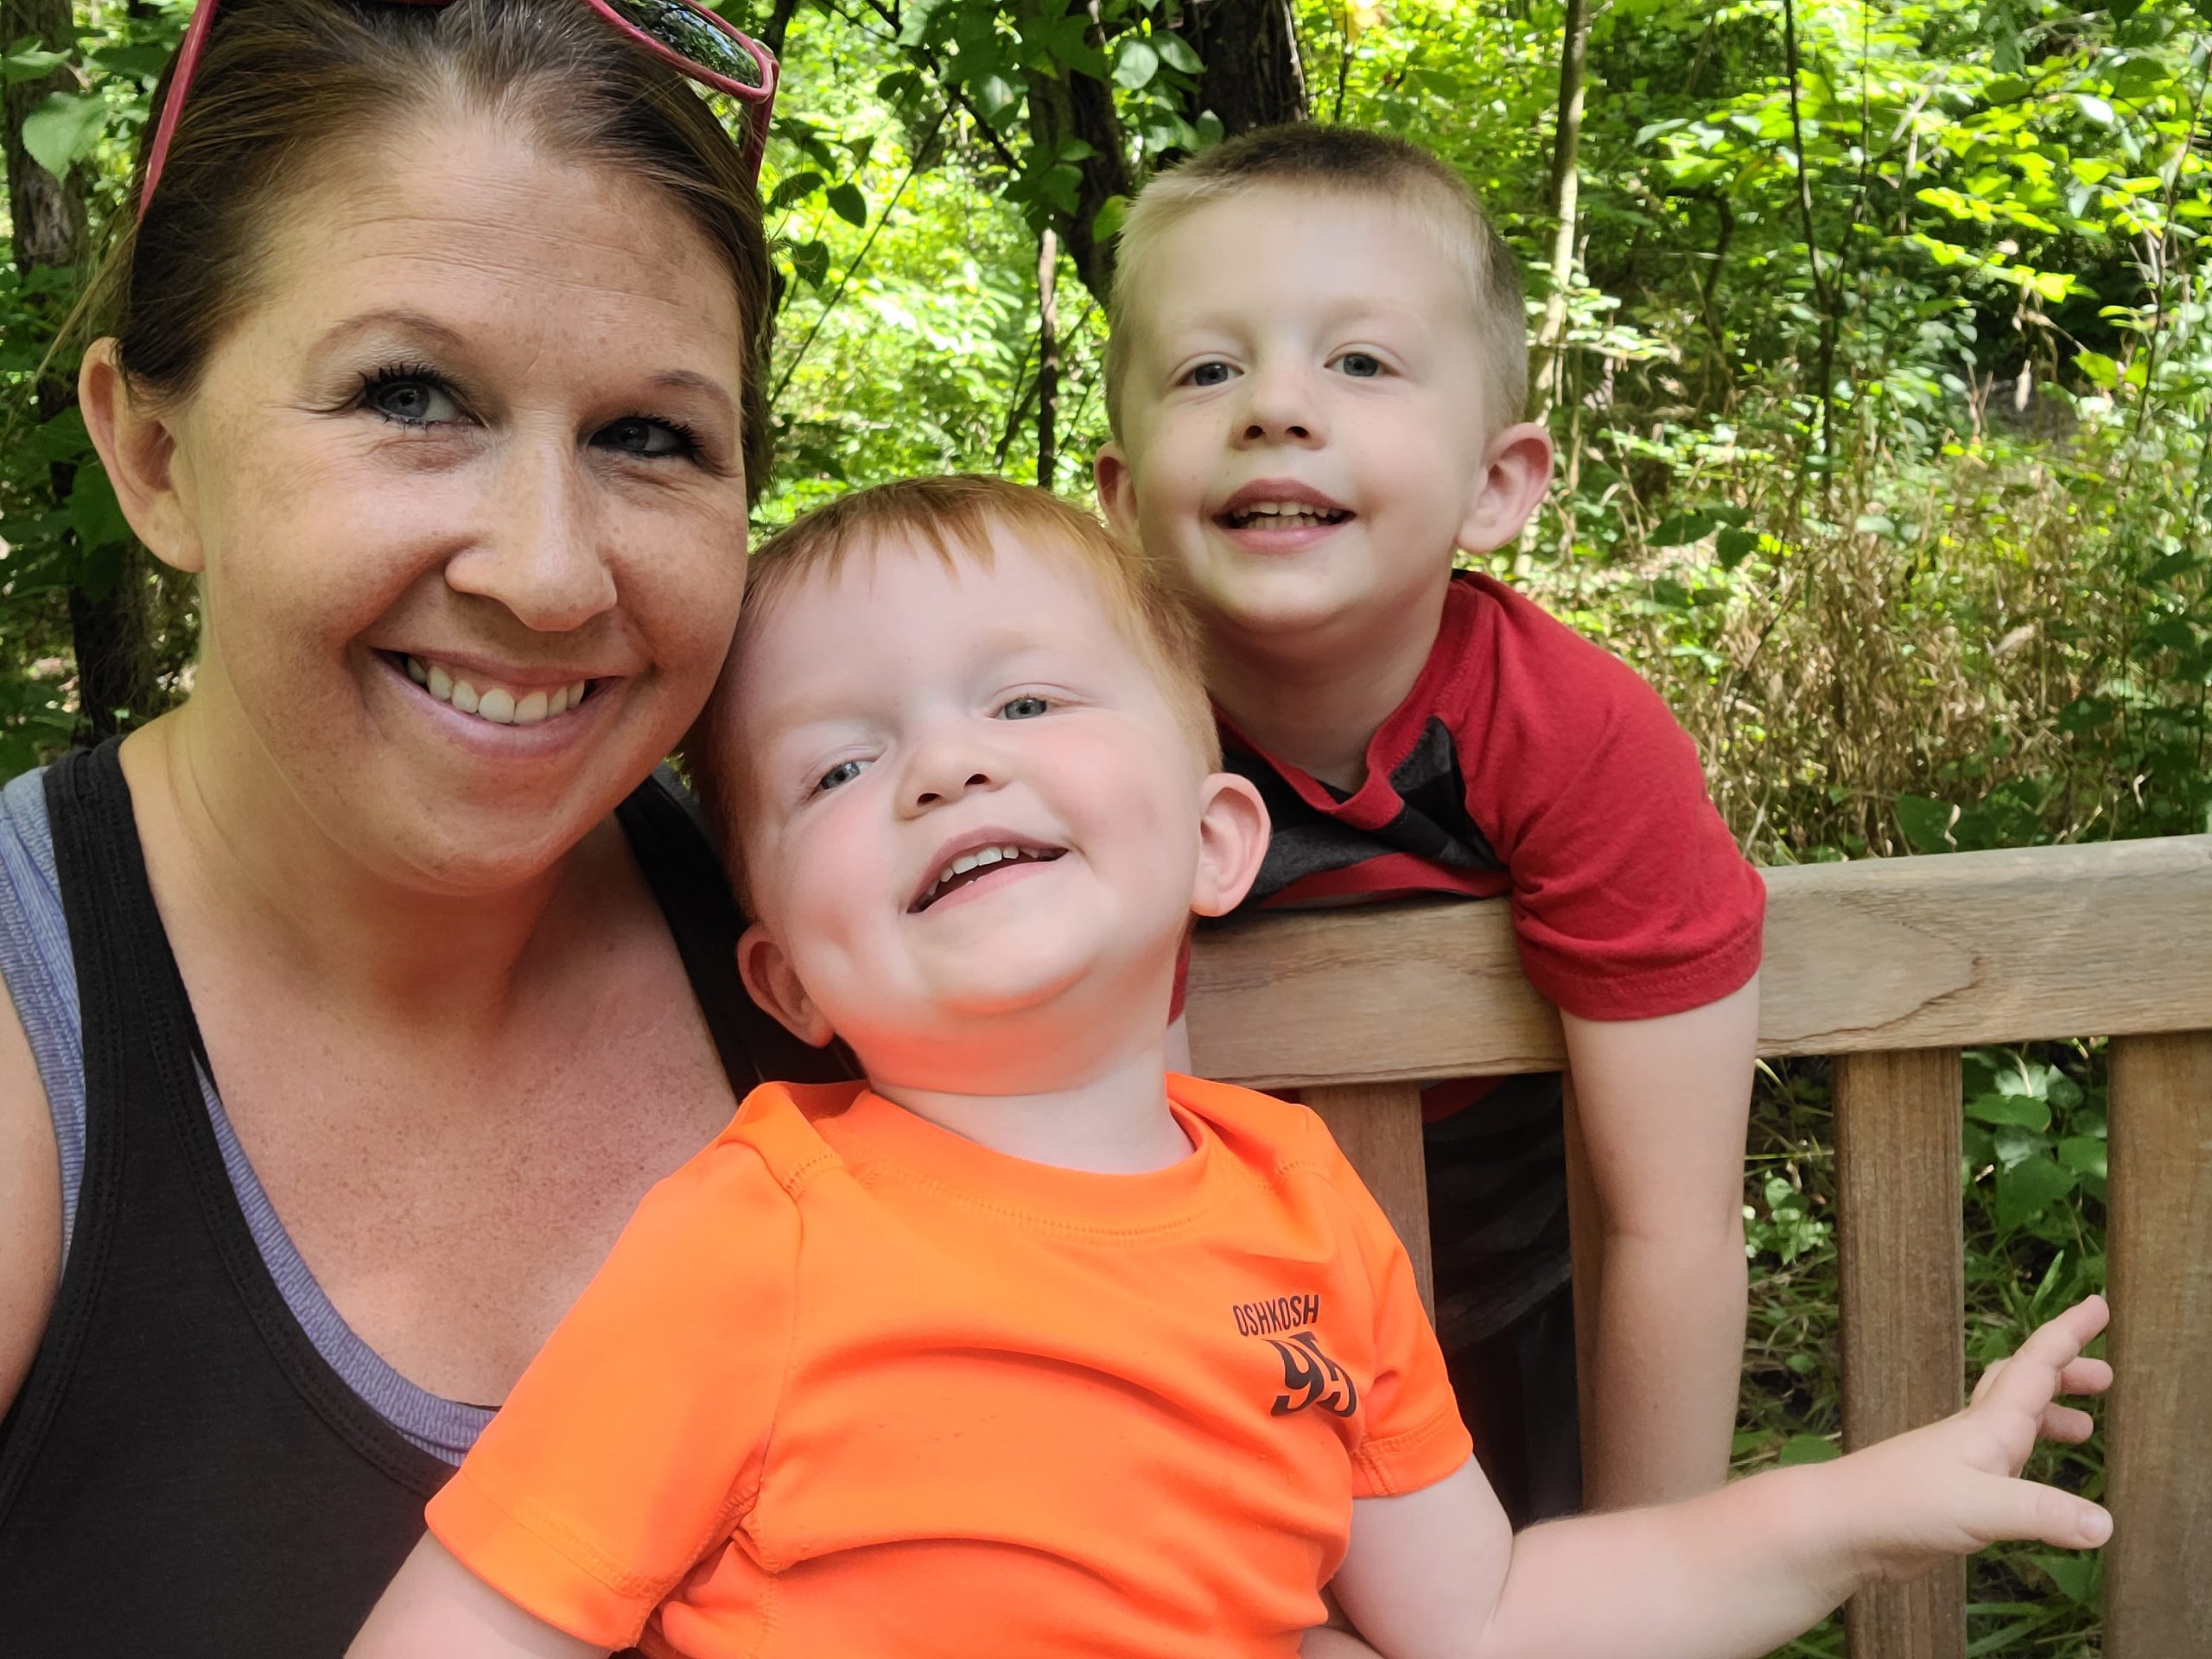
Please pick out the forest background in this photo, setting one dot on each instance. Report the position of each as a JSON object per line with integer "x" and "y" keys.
{"x": 1873, "y": 334}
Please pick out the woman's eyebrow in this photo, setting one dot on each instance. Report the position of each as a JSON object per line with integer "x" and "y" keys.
{"x": 395, "y": 320}
{"x": 692, "y": 380}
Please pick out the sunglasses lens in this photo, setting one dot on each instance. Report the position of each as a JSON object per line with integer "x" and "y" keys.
{"x": 686, "y": 33}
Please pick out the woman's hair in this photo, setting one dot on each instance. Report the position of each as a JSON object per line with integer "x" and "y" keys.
{"x": 284, "y": 85}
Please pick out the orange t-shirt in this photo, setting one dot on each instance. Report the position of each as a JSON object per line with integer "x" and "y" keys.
{"x": 851, "y": 1385}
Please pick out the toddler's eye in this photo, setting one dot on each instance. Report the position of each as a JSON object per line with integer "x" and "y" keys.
{"x": 1208, "y": 374}
{"x": 636, "y": 435}
{"x": 1024, "y": 709}
{"x": 1360, "y": 366}
{"x": 844, "y": 772}
{"x": 412, "y": 398}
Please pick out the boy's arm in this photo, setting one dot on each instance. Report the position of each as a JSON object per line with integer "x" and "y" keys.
{"x": 1662, "y": 1106}
{"x": 438, "y": 1606}
{"x": 1730, "y": 1574}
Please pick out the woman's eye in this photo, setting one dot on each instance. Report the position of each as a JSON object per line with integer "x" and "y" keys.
{"x": 1360, "y": 365}
{"x": 1208, "y": 374}
{"x": 1024, "y": 709}
{"x": 844, "y": 772}
{"x": 636, "y": 435}
{"x": 413, "y": 400}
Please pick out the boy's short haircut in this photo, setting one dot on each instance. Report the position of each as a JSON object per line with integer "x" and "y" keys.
{"x": 953, "y": 518}
{"x": 1348, "y": 162}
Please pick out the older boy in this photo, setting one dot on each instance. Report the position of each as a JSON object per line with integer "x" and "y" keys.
{"x": 1316, "y": 374}
{"x": 1024, "y": 1347}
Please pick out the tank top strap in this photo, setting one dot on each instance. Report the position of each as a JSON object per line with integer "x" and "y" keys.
{"x": 672, "y": 848}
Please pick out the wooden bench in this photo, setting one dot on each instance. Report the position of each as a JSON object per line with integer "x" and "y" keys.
{"x": 1890, "y": 966}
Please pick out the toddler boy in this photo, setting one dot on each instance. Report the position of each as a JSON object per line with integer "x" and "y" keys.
{"x": 1024, "y": 1347}
{"x": 1316, "y": 373}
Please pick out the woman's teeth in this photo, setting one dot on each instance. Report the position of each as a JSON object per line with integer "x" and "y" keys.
{"x": 1284, "y": 515}
{"x": 502, "y": 705}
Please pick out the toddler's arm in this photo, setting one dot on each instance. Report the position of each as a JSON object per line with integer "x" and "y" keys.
{"x": 1661, "y": 1105}
{"x": 438, "y": 1606}
{"x": 1436, "y": 1574}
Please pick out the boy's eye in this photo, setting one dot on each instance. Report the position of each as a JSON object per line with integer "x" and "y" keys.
{"x": 1024, "y": 709}
{"x": 1208, "y": 374}
{"x": 844, "y": 772}
{"x": 1360, "y": 365}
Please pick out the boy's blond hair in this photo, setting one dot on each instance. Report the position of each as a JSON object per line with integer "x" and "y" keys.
{"x": 1343, "y": 161}
{"x": 953, "y": 518}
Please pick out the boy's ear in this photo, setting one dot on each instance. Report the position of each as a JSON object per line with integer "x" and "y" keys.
{"x": 770, "y": 980}
{"x": 1232, "y": 839}
{"x": 139, "y": 452}
{"x": 1516, "y": 471}
{"x": 1117, "y": 493}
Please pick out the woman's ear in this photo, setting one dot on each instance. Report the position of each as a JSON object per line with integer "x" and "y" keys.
{"x": 1117, "y": 495}
{"x": 138, "y": 451}
{"x": 1516, "y": 471}
{"x": 770, "y": 982}
{"x": 1232, "y": 839}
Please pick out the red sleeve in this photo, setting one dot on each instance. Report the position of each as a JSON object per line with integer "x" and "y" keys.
{"x": 634, "y": 1443}
{"x": 1630, "y": 898}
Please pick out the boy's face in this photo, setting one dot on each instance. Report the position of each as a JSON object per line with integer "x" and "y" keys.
{"x": 900, "y": 720}
{"x": 1304, "y": 423}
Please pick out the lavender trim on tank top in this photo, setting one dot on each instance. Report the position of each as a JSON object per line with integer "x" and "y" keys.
{"x": 42, "y": 977}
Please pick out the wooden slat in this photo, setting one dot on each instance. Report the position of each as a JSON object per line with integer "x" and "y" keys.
{"x": 1902, "y": 1250}
{"x": 2158, "y": 1570}
{"x": 1378, "y": 1125}
{"x": 1882, "y": 954}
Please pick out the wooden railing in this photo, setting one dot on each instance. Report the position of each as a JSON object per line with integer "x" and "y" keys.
{"x": 1890, "y": 966}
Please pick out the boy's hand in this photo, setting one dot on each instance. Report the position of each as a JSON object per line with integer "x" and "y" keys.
{"x": 1954, "y": 1487}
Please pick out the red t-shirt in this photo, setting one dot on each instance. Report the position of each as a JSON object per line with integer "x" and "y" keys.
{"x": 1529, "y": 762}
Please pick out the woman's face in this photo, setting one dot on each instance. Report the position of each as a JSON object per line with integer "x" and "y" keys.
{"x": 465, "y": 484}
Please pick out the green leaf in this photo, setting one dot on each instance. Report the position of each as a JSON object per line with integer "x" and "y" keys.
{"x": 2095, "y": 108}
{"x": 1734, "y": 546}
{"x": 142, "y": 62}
{"x": 847, "y": 203}
{"x": 1926, "y": 824}
{"x": 795, "y": 188}
{"x": 2098, "y": 369}
{"x": 2084, "y": 1155}
{"x": 1175, "y": 51}
{"x": 1807, "y": 1448}
{"x": 30, "y": 63}
{"x": 2079, "y": 1578}
{"x": 62, "y": 129}
{"x": 810, "y": 261}
{"x": 1106, "y": 224}
{"x": 1681, "y": 528}
{"x": 2029, "y": 1188}
{"x": 1135, "y": 63}
{"x": 94, "y": 513}
{"x": 2023, "y": 1111}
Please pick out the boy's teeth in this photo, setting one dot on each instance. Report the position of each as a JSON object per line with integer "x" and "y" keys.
{"x": 501, "y": 705}
{"x": 1283, "y": 515}
{"x": 977, "y": 860}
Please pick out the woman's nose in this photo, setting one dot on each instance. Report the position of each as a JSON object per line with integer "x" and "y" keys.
{"x": 540, "y": 552}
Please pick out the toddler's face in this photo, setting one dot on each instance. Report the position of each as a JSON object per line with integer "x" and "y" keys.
{"x": 962, "y": 797}
{"x": 1303, "y": 426}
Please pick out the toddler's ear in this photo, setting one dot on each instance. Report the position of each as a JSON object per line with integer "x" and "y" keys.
{"x": 1232, "y": 839}
{"x": 770, "y": 980}
{"x": 1516, "y": 471}
{"x": 1117, "y": 492}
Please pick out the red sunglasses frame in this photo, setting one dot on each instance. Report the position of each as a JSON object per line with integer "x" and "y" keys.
{"x": 762, "y": 98}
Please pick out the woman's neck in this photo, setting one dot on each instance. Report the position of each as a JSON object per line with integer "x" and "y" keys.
{"x": 229, "y": 849}
{"x": 1314, "y": 700}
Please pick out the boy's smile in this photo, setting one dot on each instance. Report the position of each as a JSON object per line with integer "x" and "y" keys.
{"x": 962, "y": 797}
{"x": 1303, "y": 423}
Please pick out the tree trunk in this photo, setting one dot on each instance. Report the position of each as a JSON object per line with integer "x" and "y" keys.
{"x": 1079, "y": 106}
{"x": 1253, "y": 77}
{"x": 1048, "y": 354}
{"x": 115, "y": 669}
{"x": 1567, "y": 180}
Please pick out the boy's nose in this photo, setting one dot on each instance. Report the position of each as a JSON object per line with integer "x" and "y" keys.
{"x": 942, "y": 772}
{"x": 1280, "y": 408}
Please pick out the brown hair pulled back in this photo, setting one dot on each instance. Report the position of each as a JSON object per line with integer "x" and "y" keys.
{"x": 284, "y": 86}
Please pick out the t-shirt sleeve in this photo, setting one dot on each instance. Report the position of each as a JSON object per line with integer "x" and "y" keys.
{"x": 1630, "y": 898}
{"x": 634, "y": 1443}
{"x": 1411, "y": 1432}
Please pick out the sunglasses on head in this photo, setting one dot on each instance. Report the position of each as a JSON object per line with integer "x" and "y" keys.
{"x": 681, "y": 33}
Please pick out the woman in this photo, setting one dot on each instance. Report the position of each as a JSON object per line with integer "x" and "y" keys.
{"x": 363, "y": 996}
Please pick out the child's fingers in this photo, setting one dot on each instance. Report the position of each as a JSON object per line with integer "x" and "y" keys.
{"x": 2026, "y": 1381}
{"x": 2083, "y": 1375}
{"x": 2028, "y": 1509}
{"x": 2066, "y": 1425}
